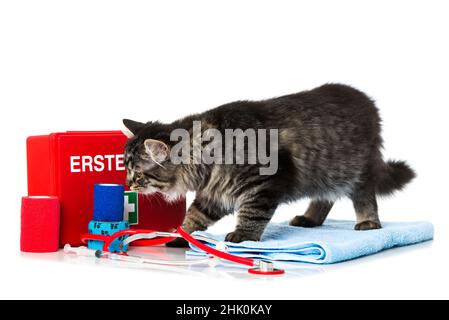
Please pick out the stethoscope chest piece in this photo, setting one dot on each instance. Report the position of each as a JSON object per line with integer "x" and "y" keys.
{"x": 264, "y": 267}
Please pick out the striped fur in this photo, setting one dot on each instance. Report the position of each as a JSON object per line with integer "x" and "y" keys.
{"x": 329, "y": 147}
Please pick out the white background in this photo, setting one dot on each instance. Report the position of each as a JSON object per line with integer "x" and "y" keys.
{"x": 85, "y": 65}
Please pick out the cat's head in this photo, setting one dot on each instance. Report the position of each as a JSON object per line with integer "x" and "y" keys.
{"x": 147, "y": 160}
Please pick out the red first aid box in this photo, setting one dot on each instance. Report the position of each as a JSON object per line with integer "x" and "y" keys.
{"x": 68, "y": 165}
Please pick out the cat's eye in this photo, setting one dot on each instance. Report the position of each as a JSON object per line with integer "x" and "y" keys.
{"x": 138, "y": 175}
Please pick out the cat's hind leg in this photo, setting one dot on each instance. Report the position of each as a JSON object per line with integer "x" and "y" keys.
{"x": 365, "y": 205}
{"x": 315, "y": 214}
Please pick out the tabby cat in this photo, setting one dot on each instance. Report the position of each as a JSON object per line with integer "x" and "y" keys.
{"x": 329, "y": 146}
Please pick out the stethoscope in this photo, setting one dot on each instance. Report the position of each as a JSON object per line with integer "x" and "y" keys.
{"x": 150, "y": 237}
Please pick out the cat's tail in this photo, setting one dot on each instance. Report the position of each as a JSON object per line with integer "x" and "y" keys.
{"x": 394, "y": 176}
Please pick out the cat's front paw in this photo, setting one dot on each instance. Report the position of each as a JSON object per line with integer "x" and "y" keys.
{"x": 178, "y": 243}
{"x": 240, "y": 236}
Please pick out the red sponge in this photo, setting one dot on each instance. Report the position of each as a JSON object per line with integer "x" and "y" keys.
{"x": 40, "y": 224}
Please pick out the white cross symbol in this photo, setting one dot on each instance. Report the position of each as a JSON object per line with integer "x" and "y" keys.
{"x": 129, "y": 207}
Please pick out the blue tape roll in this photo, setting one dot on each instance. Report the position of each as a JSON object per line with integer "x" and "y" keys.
{"x": 108, "y": 202}
{"x": 107, "y": 229}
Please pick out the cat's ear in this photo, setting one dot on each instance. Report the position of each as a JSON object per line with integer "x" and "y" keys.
{"x": 157, "y": 150}
{"x": 132, "y": 126}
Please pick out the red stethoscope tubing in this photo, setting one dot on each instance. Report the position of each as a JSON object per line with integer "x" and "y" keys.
{"x": 161, "y": 240}
{"x": 109, "y": 239}
{"x": 215, "y": 252}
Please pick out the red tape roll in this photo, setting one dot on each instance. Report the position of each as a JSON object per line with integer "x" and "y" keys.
{"x": 39, "y": 224}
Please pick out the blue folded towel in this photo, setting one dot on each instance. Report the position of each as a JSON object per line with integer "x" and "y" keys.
{"x": 333, "y": 242}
